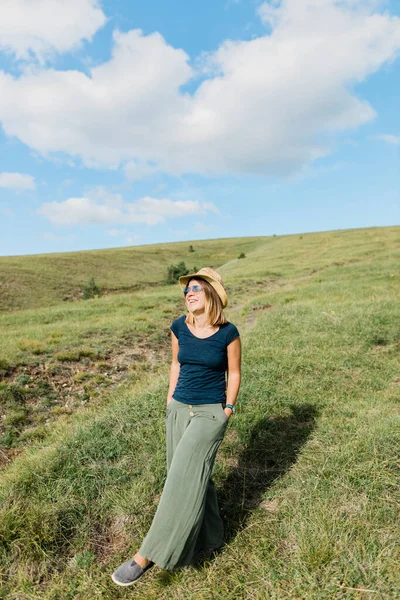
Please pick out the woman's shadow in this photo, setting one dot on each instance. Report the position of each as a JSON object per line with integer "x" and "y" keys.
{"x": 271, "y": 448}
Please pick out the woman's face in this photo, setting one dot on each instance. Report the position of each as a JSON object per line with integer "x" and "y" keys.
{"x": 195, "y": 301}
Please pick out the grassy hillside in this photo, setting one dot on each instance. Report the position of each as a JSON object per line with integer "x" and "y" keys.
{"x": 44, "y": 280}
{"x": 308, "y": 472}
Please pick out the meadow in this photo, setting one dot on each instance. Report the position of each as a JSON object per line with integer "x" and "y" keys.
{"x": 308, "y": 474}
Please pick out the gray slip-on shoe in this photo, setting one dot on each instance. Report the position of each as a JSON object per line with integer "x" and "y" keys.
{"x": 129, "y": 572}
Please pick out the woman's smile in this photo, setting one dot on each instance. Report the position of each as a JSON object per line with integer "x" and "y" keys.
{"x": 195, "y": 299}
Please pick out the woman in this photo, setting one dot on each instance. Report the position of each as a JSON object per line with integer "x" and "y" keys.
{"x": 200, "y": 402}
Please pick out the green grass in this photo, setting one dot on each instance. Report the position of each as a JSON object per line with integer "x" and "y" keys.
{"x": 308, "y": 472}
{"x": 34, "y": 281}
{"x": 85, "y": 348}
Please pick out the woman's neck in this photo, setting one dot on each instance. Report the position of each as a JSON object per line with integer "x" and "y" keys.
{"x": 201, "y": 321}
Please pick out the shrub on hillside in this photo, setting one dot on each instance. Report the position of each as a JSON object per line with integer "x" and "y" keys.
{"x": 91, "y": 290}
{"x": 176, "y": 271}
{"x": 5, "y": 368}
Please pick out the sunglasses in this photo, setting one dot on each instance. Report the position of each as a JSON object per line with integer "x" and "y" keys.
{"x": 195, "y": 289}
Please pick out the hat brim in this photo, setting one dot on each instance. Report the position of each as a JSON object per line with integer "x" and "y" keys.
{"x": 184, "y": 280}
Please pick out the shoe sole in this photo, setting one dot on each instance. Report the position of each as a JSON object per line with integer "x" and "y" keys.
{"x": 131, "y": 582}
{"x": 124, "y": 584}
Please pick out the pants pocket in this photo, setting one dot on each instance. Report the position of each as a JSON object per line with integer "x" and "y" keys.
{"x": 207, "y": 415}
{"x": 224, "y": 414}
{"x": 169, "y": 408}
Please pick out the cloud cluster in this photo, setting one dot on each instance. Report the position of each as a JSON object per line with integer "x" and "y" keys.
{"x": 113, "y": 210}
{"x": 17, "y": 181}
{"x": 267, "y": 106}
{"x": 41, "y": 28}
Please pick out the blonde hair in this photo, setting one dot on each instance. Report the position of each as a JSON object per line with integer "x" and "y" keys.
{"x": 213, "y": 308}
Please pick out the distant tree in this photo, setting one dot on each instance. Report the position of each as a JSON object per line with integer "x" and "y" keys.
{"x": 91, "y": 290}
{"x": 242, "y": 255}
{"x": 191, "y": 249}
{"x": 176, "y": 271}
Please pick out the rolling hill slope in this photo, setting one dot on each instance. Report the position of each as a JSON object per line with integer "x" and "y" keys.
{"x": 45, "y": 280}
{"x": 307, "y": 475}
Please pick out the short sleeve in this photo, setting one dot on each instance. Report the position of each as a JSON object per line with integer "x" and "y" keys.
{"x": 231, "y": 334}
{"x": 175, "y": 327}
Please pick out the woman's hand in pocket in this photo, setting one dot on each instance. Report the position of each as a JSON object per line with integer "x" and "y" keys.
{"x": 228, "y": 413}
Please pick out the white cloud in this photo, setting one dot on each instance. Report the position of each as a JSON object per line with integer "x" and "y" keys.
{"x": 389, "y": 139}
{"x": 151, "y": 211}
{"x": 269, "y": 106}
{"x": 121, "y": 112}
{"x": 102, "y": 195}
{"x": 44, "y": 27}
{"x": 77, "y": 211}
{"x": 17, "y": 181}
{"x": 136, "y": 169}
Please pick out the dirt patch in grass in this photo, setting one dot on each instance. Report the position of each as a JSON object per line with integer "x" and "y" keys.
{"x": 253, "y": 316}
{"x": 33, "y": 396}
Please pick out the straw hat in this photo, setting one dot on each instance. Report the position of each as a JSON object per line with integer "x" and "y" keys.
{"x": 212, "y": 277}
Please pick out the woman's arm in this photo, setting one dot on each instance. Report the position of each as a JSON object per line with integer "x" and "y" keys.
{"x": 175, "y": 367}
{"x": 234, "y": 364}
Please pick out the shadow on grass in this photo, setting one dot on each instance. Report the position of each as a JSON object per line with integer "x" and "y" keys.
{"x": 272, "y": 447}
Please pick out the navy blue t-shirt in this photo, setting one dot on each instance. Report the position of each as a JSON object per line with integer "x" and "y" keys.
{"x": 203, "y": 364}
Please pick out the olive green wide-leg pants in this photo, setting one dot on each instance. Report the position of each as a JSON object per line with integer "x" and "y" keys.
{"x": 187, "y": 519}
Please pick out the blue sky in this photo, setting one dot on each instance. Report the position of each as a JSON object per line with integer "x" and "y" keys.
{"x": 124, "y": 122}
